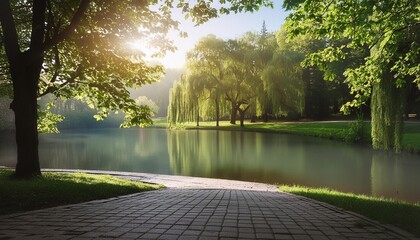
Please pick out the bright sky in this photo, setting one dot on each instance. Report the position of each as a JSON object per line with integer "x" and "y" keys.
{"x": 227, "y": 27}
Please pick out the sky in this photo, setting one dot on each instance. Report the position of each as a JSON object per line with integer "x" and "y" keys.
{"x": 226, "y": 27}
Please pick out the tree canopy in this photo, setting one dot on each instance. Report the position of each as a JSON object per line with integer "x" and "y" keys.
{"x": 389, "y": 31}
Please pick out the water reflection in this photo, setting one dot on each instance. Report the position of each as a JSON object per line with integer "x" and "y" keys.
{"x": 106, "y": 149}
{"x": 250, "y": 156}
{"x": 277, "y": 158}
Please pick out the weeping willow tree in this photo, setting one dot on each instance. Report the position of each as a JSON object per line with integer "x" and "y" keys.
{"x": 284, "y": 85}
{"x": 387, "y": 111}
{"x": 181, "y": 103}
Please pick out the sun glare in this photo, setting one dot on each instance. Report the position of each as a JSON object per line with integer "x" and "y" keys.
{"x": 170, "y": 60}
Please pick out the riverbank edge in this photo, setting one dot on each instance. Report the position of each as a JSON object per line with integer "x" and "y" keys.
{"x": 338, "y": 135}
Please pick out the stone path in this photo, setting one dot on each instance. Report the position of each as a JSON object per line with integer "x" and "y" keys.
{"x": 215, "y": 209}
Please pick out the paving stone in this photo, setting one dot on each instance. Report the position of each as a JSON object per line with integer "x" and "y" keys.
{"x": 199, "y": 213}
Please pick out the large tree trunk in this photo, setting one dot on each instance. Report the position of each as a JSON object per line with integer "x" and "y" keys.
{"x": 25, "y": 84}
{"x": 233, "y": 113}
{"x": 25, "y": 69}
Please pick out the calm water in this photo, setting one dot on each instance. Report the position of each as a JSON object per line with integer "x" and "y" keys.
{"x": 261, "y": 157}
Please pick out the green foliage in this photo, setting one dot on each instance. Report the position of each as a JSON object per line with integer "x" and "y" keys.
{"x": 357, "y": 130}
{"x": 283, "y": 83}
{"x": 389, "y": 29}
{"x": 401, "y": 214}
{"x": 143, "y": 100}
{"x": 202, "y": 11}
{"x": 47, "y": 121}
{"x": 202, "y": 83}
{"x": 54, "y": 189}
{"x": 387, "y": 115}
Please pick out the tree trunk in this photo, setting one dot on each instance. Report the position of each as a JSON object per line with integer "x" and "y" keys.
{"x": 217, "y": 112}
{"x": 25, "y": 69}
{"x": 198, "y": 118}
{"x": 25, "y": 77}
{"x": 242, "y": 114}
{"x": 242, "y": 117}
{"x": 265, "y": 116}
{"x": 233, "y": 113}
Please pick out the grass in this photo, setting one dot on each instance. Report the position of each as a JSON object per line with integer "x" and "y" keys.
{"x": 401, "y": 214}
{"x": 332, "y": 130}
{"x": 54, "y": 189}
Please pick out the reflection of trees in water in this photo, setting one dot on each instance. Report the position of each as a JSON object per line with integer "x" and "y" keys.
{"x": 273, "y": 158}
{"x": 395, "y": 175}
{"x": 106, "y": 149}
{"x": 225, "y": 154}
{"x": 337, "y": 165}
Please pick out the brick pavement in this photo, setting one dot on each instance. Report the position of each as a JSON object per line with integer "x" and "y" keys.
{"x": 182, "y": 213}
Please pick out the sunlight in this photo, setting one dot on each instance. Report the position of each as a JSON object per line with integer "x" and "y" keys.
{"x": 141, "y": 47}
{"x": 147, "y": 53}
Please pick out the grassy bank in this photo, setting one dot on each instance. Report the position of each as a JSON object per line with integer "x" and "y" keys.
{"x": 340, "y": 131}
{"x": 54, "y": 189}
{"x": 400, "y": 214}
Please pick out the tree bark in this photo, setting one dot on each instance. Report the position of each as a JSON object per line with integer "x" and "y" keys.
{"x": 198, "y": 117}
{"x": 242, "y": 117}
{"x": 242, "y": 114}
{"x": 217, "y": 112}
{"x": 25, "y": 69}
{"x": 233, "y": 113}
{"x": 25, "y": 84}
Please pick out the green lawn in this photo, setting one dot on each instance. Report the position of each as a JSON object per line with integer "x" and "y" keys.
{"x": 54, "y": 189}
{"x": 332, "y": 130}
{"x": 401, "y": 214}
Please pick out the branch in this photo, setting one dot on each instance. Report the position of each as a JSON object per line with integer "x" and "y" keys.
{"x": 57, "y": 64}
{"x": 11, "y": 43}
{"x": 84, "y": 4}
{"x": 50, "y": 20}
{"x": 393, "y": 31}
{"x": 38, "y": 25}
{"x": 52, "y": 89}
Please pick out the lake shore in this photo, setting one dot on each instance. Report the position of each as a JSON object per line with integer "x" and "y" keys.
{"x": 335, "y": 130}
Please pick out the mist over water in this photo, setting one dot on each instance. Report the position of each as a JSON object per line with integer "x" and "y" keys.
{"x": 250, "y": 156}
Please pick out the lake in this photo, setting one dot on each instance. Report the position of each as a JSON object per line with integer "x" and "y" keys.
{"x": 250, "y": 156}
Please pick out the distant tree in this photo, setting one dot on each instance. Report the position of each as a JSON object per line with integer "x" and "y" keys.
{"x": 158, "y": 91}
{"x": 206, "y": 61}
{"x": 284, "y": 84}
{"x": 74, "y": 49}
{"x": 241, "y": 84}
{"x": 145, "y": 101}
{"x": 264, "y": 44}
